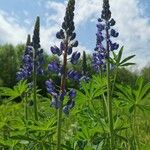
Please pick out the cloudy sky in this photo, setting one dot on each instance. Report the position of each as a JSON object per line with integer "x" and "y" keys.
{"x": 17, "y": 18}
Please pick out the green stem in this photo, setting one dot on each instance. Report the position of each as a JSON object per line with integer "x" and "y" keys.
{"x": 109, "y": 100}
{"x": 26, "y": 108}
{"x": 62, "y": 90}
{"x": 134, "y": 129}
{"x": 114, "y": 81}
{"x": 104, "y": 102}
{"x": 34, "y": 87}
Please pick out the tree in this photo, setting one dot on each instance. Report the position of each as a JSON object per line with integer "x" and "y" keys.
{"x": 84, "y": 64}
{"x": 9, "y": 65}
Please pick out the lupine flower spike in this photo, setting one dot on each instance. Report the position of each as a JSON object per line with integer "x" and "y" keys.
{"x": 67, "y": 35}
{"x": 32, "y": 61}
{"x": 104, "y": 46}
{"x": 65, "y": 50}
{"x": 105, "y": 32}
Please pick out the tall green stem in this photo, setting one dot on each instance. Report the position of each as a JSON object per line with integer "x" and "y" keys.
{"x": 63, "y": 83}
{"x": 109, "y": 100}
{"x": 114, "y": 81}
{"x": 34, "y": 87}
{"x": 104, "y": 101}
{"x": 26, "y": 108}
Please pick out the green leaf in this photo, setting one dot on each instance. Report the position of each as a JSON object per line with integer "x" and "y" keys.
{"x": 132, "y": 108}
{"x": 144, "y": 91}
{"x": 120, "y": 55}
{"x": 127, "y": 64}
{"x": 126, "y": 59}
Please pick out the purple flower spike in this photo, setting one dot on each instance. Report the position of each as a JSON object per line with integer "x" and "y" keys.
{"x": 73, "y": 36}
{"x": 112, "y": 22}
{"x": 75, "y": 57}
{"x": 62, "y": 95}
{"x": 74, "y": 44}
{"x": 40, "y": 71}
{"x": 62, "y": 46}
{"x": 66, "y": 110}
{"x": 55, "y": 103}
{"x": 54, "y": 67}
{"x": 60, "y": 34}
{"x": 56, "y": 50}
{"x": 72, "y": 94}
{"x": 104, "y": 35}
{"x": 114, "y": 46}
{"x": 69, "y": 51}
{"x": 100, "y": 27}
{"x": 74, "y": 75}
{"x": 68, "y": 42}
{"x": 114, "y": 33}
{"x": 100, "y": 38}
{"x": 49, "y": 84}
{"x": 99, "y": 20}
{"x": 71, "y": 104}
{"x": 19, "y": 76}
{"x": 27, "y": 59}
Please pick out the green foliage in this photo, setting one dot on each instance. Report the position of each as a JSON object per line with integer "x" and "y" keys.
{"x": 9, "y": 65}
{"x": 17, "y": 92}
{"x": 125, "y": 76}
{"x": 145, "y": 72}
{"x": 135, "y": 98}
{"x": 87, "y": 126}
{"x": 84, "y": 64}
{"x": 117, "y": 59}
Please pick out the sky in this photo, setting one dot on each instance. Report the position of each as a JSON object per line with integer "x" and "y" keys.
{"x": 17, "y": 18}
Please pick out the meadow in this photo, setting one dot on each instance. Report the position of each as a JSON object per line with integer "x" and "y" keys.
{"x": 70, "y": 100}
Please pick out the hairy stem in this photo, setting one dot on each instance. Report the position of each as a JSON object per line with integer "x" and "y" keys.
{"x": 114, "y": 81}
{"x": 109, "y": 100}
{"x": 34, "y": 87}
{"x": 62, "y": 90}
{"x": 26, "y": 108}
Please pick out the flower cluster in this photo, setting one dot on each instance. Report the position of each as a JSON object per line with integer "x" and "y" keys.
{"x": 27, "y": 68}
{"x": 65, "y": 51}
{"x": 33, "y": 56}
{"x": 104, "y": 35}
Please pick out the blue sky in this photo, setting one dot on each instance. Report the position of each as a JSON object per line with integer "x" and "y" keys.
{"x": 133, "y": 23}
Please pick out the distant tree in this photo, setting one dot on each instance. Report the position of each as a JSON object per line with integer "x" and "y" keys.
{"x": 145, "y": 72}
{"x": 28, "y": 40}
{"x": 8, "y": 64}
{"x": 127, "y": 77}
{"x": 84, "y": 63}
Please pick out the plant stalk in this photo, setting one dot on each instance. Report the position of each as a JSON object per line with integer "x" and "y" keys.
{"x": 62, "y": 90}
{"x": 34, "y": 86}
{"x": 109, "y": 100}
{"x": 26, "y": 108}
{"x": 114, "y": 81}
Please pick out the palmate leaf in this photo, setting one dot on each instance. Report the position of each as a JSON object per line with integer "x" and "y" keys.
{"x": 126, "y": 59}
{"x": 119, "y": 56}
{"x": 93, "y": 89}
{"x": 117, "y": 59}
{"x": 6, "y": 143}
{"x": 23, "y": 137}
{"x": 17, "y": 91}
{"x": 145, "y": 91}
{"x": 124, "y": 92}
{"x": 43, "y": 126}
{"x": 127, "y": 64}
{"x": 135, "y": 97}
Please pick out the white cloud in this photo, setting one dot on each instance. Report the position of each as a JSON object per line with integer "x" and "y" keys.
{"x": 59, "y": 11}
{"x": 134, "y": 29}
{"x": 10, "y": 31}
